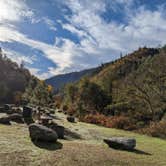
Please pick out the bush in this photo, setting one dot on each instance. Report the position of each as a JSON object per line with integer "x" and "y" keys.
{"x": 95, "y": 119}
{"x": 65, "y": 108}
{"x": 119, "y": 122}
{"x": 156, "y": 129}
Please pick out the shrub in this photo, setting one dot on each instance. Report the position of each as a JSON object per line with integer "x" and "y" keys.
{"x": 65, "y": 107}
{"x": 95, "y": 119}
{"x": 155, "y": 129}
{"x": 120, "y": 122}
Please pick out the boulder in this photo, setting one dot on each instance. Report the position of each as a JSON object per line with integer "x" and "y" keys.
{"x": 7, "y": 107}
{"x": 42, "y": 133}
{"x": 5, "y": 120}
{"x": 52, "y": 111}
{"x": 121, "y": 143}
{"x": 71, "y": 119}
{"x": 17, "y": 110}
{"x": 58, "y": 129}
{"x": 27, "y": 111}
{"x": 27, "y": 115}
{"x": 1, "y": 109}
{"x": 16, "y": 118}
{"x": 60, "y": 111}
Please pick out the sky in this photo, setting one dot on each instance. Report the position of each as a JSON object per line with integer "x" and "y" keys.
{"x": 60, "y": 36}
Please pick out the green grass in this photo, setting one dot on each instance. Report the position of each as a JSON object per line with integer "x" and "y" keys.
{"x": 16, "y": 148}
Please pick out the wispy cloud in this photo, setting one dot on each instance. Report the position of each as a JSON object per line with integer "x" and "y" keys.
{"x": 14, "y": 10}
{"x": 99, "y": 40}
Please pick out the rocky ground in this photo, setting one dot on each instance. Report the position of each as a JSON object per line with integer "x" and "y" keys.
{"x": 82, "y": 145}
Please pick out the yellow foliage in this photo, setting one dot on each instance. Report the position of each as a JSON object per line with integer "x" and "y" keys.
{"x": 49, "y": 88}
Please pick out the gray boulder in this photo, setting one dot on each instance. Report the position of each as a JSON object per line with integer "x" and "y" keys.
{"x": 27, "y": 115}
{"x": 42, "y": 133}
{"x": 27, "y": 112}
{"x": 121, "y": 143}
{"x": 16, "y": 118}
{"x": 8, "y": 107}
{"x": 71, "y": 119}
{"x": 5, "y": 120}
{"x": 58, "y": 129}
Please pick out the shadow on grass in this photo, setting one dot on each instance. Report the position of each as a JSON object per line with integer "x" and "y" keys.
{"x": 70, "y": 134}
{"x": 137, "y": 151}
{"x": 48, "y": 145}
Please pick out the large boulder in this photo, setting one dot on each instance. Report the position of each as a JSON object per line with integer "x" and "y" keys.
{"x": 27, "y": 115}
{"x": 42, "y": 133}
{"x": 5, "y": 120}
{"x": 27, "y": 111}
{"x": 121, "y": 143}
{"x": 71, "y": 119}
{"x": 16, "y": 118}
{"x": 58, "y": 129}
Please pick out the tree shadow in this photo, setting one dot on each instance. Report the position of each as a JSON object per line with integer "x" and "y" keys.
{"x": 51, "y": 146}
{"x": 71, "y": 135}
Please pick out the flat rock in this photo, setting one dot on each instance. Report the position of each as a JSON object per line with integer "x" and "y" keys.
{"x": 42, "y": 133}
{"x": 5, "y": 120}
{"x": 121, "y": 143}
{"x": 16, "y": 118}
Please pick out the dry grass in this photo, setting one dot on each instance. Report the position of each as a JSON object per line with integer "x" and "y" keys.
{"x": 16, "y": 149}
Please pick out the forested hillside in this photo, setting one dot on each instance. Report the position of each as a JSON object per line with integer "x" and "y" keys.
{"x": 17, "y": 84}
{"x": 129, "y": 93}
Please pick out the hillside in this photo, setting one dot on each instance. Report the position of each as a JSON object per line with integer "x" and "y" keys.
{"x": 129, "y": 93}
{"x": 60, "y": 81}
{"x": 14, "y": 79}
{"x": 85, "y": 149}
{"x": 18, "y": 85}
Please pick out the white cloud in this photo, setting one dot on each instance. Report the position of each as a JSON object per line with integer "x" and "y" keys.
{"x": 19, "y": 58}
{"x": 13, "y": 10}
{"x": 50, "y": 23}
{"x": 100, "y": 41}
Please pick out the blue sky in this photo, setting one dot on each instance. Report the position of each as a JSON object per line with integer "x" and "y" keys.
{"x": 61, "y": 36}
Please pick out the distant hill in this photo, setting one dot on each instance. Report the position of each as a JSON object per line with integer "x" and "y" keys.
{"x": 60, "y": 81}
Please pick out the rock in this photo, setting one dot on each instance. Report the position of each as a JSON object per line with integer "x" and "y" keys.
{"x": 16, "y": 118}
{"x": 52, "y": 111}
{"x": 1, "y": 109}
{"x": 17, "y": 110}
{"x": 45, "y": 120}
{"x": 71, "y": 119}
{"x": 121, "y": 143}
{"x": 27, "y": 111}
{"x": 60, "y": 111}
{"x": 42, "y": 133}
{"x": 58, "y": 129}
{"x": 27, "y": 115}
{"x": 7, "y": 107}
{"x": 5, "y": 120}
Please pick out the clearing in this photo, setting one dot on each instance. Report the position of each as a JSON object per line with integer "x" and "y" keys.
{"x": 83, "y": 147}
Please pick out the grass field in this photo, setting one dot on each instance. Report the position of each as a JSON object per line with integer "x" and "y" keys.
{"x": 82, "y": 147}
